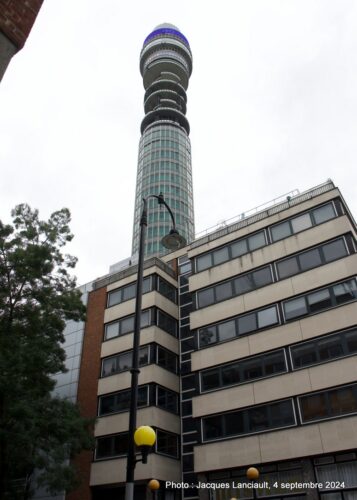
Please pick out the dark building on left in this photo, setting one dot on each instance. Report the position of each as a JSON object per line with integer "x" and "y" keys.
{"x": 16, "y": 20}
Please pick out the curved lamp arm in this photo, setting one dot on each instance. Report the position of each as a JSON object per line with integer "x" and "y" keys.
{"x": 161, "y": 201}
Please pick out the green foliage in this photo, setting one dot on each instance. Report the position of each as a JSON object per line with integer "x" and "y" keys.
{"x": 37, "y": 296}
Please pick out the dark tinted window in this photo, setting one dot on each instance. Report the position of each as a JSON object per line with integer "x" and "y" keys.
{"x": 167, "y": 359}
{"x": 120, "y": 401}
{"x": 320, "y": 300}
{"x": 167, "y": 443}
{"x": 208, "y": 336}
{"x": 167, "y": 323}
{"x": 166, "y": 399}
{"x": 324, "y": 349}
{"x": 167, "y": 290}
{"x": 327, "y": 404}
{"x": 257, "y": 419}
{"x": 244, "y": 370}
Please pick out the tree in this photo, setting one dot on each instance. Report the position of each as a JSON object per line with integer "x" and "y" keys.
{"x": 37, "y": 295}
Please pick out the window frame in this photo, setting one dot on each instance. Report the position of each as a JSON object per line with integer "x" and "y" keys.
{"x": 229, "y": 245}
{"x": 239, "y": 363}
{"x": 115, "y": 412}
{"x": 122, "y": 354}
{"x": 326, "y": 392}
{"x": 305, "y": 296}
{"x": 320, "y": 249}
{"x": 124, "y": 287}
{"x": 249, "y": 275}
{"x": 245, "y": 419}
{"x": 236, "y": 320}
{"x": 341, "y": 333}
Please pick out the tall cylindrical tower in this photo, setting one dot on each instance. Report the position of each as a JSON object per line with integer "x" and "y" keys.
{"x": 164, "y": 163}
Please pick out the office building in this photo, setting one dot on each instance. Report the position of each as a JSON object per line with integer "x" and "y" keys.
{"x": 164, "y": 162}
{"x": 248, "y": 358}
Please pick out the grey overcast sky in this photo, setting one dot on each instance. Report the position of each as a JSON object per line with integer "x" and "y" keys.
{"x": 272, "y": 104}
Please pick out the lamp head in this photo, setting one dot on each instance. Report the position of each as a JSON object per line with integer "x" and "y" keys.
{"x": 144, "y": 436}
{"x": 153, "y": 484}
{"x": 252, "y": 473}
{"x": 173, "y": 240}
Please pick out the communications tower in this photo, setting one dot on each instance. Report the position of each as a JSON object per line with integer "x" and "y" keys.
{"x": 164, "y": 162}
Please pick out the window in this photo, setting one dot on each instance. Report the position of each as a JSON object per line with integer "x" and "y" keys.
{"x": 166, "y": 289}
{"x": 244, "y": 370}
{"x": 256, "y": 419}
{"x": 239, "y": 248}
{"x": 262, "y": 277}
{"x": 205, "y": 297}
{"x": 120, "y": 401}
{"x": 320, "y": 300}
{"x": 334, "y": 250}
{"x": 237, "y": 286}
{"x": 127, "y": 292}
{"x": 220, "y": 256}
{"x": 287, "y": 267}
{"x": 122, "y": 362}
{"x": 312, "y": 258}
{"x": 301, "y": 222}
{"x": 167, "y": 400}
{"x": 280, "y": 231}
{"x": 166, "y": 359}
{"x": 111, "y": 330}
{"x": 117, "y": 445}
{"x": 223, "y": 291}
{"x": 126, "y": 325}
{"x": 167, "y": 323}
{"x": 230, "y": 251}
{"x": 167, "y": 443}
{"x": 345, "y": 292}
{"x": 328, "y": 404}
{"x": 324, "y": 213}
{"x": 149, "y": 284}
{"x": 247, "y": 323}
{"x": 112, "y": 446}
{"x": 267, "y": 317}
{"x": 227, "y": 330}
{"x": 208, "y": 335}
{"x": 238, "y": 326}
{"x": 327, "y": 348}
{"x": 256, "y": 241}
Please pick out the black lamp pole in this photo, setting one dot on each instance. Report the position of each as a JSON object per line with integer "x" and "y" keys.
{"x": 172, "y": 241}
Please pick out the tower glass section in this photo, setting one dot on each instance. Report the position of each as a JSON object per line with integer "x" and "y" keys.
{"x": 164, "y": 162}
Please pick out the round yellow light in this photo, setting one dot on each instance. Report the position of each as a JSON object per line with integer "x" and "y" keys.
{"x": 154, "y": 484}
{"x": 144, "y": 436}
{"x": 252, "y": 473}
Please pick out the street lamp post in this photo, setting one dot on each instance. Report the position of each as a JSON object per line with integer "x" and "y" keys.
{"x": 172, "y": 241}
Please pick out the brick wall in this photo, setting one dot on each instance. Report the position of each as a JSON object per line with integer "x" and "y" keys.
{"x": 88, "y": 382}
{"x": 17, "y": 18}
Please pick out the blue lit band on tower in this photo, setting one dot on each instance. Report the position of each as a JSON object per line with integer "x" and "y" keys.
{"x": 164, "y": 163}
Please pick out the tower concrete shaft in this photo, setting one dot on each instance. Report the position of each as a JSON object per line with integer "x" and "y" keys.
{"x": 164, "y": 162}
